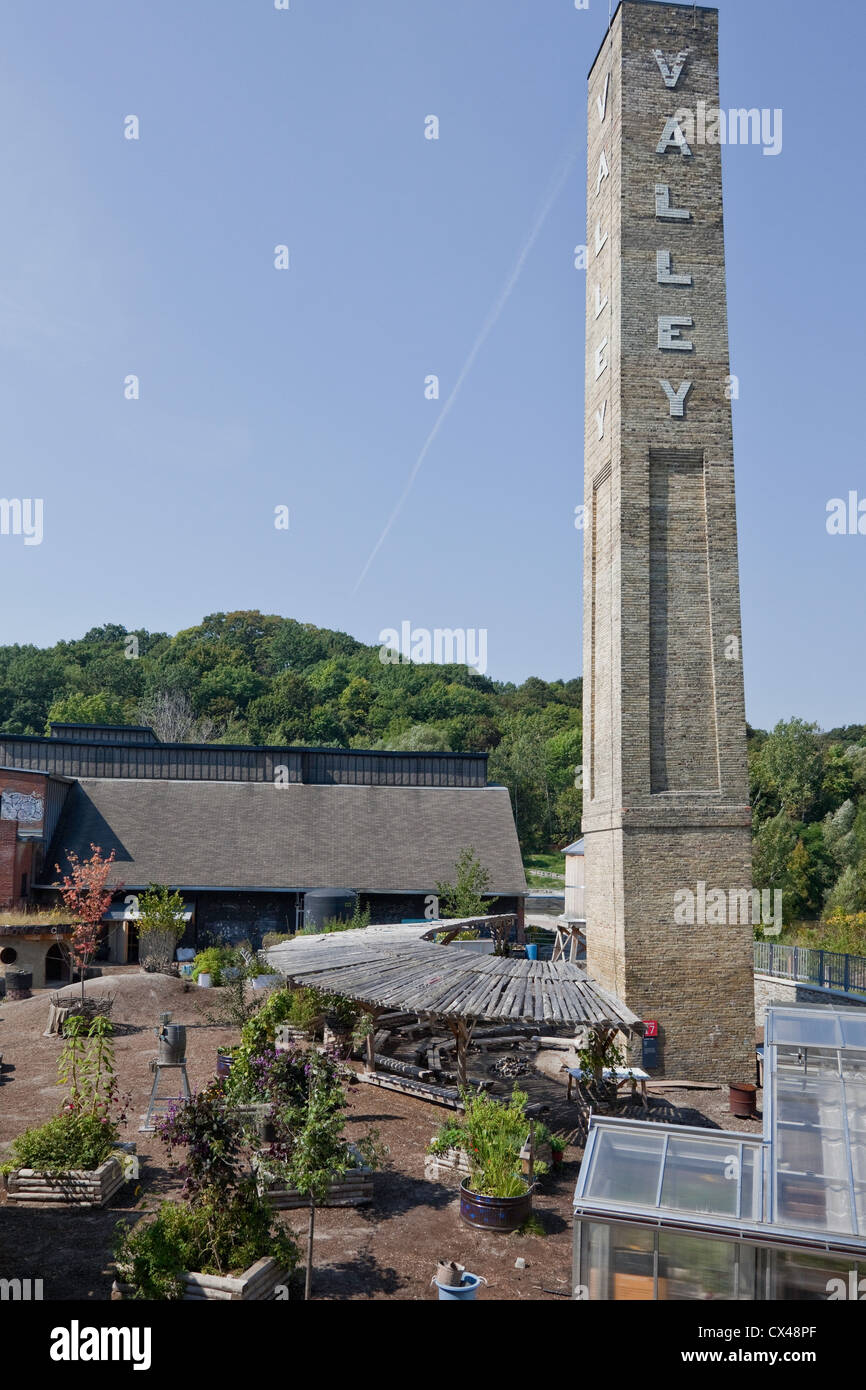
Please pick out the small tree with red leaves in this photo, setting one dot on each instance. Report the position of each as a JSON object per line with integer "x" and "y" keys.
{"x": 85, "y": 894}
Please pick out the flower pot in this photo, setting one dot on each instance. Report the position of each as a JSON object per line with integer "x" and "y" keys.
{"x": 743, "y": 1099}
{"x": 501, "y": 1214}
{"x": 450, "y": 1273}
{"x": 556, "y": 1157}
{"x": 225, "y": 1061}
{"x": 466, "y": 1289}
{"x": 204, "y": 980}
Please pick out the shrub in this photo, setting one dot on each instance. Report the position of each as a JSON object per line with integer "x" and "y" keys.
{"x": 160, "y": 926}
{"x": 496, "y": 1134}
{"x": 72, "y": 1140}
{"x": 450, "y": 1135}
{"x": 213, "y": 961}
{"x": 275, "y": 938}
{"x": 356, "y": 922}
{"x": 219, "y": 1236}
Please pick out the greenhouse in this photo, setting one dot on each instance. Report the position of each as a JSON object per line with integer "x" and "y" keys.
{"x": 666, "y": 1212}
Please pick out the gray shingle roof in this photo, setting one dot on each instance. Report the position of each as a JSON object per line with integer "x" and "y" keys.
{"x": 255, "y": 835}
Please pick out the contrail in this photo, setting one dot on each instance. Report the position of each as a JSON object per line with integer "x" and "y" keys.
{"x": 492, "y": 317}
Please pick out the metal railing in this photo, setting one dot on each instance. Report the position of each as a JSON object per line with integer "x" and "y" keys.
{"x": 810, "y": 966}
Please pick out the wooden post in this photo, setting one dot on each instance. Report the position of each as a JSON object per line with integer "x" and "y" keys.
{"x": 371, "y": 1040}
{"x": 309, "y": 1278}
{"x": 462, "y": 1033}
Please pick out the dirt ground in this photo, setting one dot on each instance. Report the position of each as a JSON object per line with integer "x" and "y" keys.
{"x": 386, "y": 1250}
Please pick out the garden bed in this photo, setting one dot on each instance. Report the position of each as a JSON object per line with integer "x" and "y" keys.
{"x": 353, "y": 1188}
{"x": 75, "y": 1188}
{"x": 446, "y": 1164}
{"x": 263, "y": 1282}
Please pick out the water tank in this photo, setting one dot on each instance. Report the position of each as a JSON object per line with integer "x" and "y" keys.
{"x": 322, "y": 904}
{"x": 172, "y": 1044}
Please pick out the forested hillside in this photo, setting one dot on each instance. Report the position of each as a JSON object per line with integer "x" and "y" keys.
{"x": 252, "y": 678}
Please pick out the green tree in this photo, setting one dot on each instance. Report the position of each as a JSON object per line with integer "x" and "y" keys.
{"x": 790, "y": 760}
{"x": 465, "y": 897}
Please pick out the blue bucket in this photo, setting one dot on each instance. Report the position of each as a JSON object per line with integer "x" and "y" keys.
{"x": 467, "y": 1288}
{"x": 531, "y": 952}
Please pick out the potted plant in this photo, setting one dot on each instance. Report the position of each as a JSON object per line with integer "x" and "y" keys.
{"x": 496, "y": 1195}
{"x": 74, "y": 1158}
{"x": 558, "y": 1146}
{"x": 212, "y": 963}
{"x": 263, "y": 974}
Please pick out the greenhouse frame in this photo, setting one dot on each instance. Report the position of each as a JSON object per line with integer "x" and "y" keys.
{"x": 666, "y": 1212}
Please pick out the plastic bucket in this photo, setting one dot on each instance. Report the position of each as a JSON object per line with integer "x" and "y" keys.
{"x": 204, "y": 980}
{"x": 531, "y": 952}
{"x": 468, "y": 1288}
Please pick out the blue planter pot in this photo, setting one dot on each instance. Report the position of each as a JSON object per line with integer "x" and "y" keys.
{"x": 494, "y": 1213}
{"x": 467, "y": 1288}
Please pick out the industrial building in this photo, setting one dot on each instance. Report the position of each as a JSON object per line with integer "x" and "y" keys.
{"x": 246, "y": 833}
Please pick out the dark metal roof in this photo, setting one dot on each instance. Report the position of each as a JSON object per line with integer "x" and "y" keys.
{"x": 103, "y": 733}
{"x": 247, "y": 835}
{"x": 222, "y": 762}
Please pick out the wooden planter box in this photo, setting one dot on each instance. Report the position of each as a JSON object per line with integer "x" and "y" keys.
{"x": 289, "y": 1037}
{"x": 543, "y": 1154}
{"x": 258, "y": 1284}
{"x": 446, "y": 1165}
{"x": 75, "y": 1188}
{"x": 351, "y": 1189}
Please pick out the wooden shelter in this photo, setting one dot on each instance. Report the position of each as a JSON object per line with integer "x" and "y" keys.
{"x": 400, "y": 969}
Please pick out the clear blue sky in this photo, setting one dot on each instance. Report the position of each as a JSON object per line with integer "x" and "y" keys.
{"x": 306, "y": 387}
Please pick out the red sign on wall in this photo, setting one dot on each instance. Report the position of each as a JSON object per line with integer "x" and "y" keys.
{"x": 652, "y": 1028}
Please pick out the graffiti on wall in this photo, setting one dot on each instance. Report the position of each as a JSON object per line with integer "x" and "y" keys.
{"x": 21, "y": 806}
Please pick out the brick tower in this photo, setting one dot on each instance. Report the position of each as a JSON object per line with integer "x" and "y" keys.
{"x": 665, "y": 774}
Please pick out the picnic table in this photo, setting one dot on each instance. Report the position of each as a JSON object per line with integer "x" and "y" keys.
{"x": 621, "y": 1075}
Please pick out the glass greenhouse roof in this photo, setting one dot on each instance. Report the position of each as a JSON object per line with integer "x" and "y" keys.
{"x": 807, "y": 1174}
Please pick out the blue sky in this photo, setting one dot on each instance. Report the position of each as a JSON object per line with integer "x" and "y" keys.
{"x": 305, "y": 387}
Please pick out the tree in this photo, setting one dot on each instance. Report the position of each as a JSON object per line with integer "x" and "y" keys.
{"x": 170, "y": 714}
{"x": 161, "y": 924}
{"x": 77, "y": 708}
{"x": 790, "y": 760}
{"x": 319, "y": 1152}
{"x": 85, "y": 894}
{"x": 465, "y": 897}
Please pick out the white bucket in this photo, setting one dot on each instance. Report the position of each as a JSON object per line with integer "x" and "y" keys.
{"x": 204, "y": 980}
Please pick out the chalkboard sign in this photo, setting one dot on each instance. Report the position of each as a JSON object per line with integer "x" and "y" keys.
{"x": 650, "y": 1045}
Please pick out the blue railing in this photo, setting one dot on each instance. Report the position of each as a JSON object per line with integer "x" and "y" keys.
{"x": 810, "y": 966}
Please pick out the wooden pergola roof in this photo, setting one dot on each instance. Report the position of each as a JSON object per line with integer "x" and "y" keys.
{"x": 395, "y": 968}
